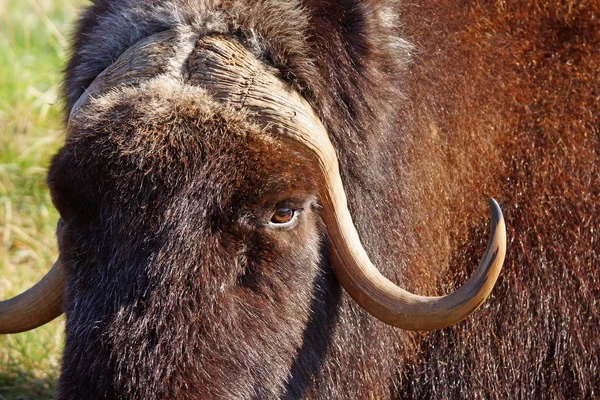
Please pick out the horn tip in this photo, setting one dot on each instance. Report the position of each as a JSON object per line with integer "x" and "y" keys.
{"x": 496, "y": 211}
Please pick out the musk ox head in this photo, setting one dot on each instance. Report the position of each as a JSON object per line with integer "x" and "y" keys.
{"x": 199, "y": 194}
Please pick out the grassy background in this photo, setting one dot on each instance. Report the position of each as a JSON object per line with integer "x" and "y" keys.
{"x": 33, "y": 50}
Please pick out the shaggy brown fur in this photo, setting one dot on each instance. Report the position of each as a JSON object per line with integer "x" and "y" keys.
{"x": 525, "y": 78}
{"x": 175, "y": 293}
{"x": 165, "y": 195}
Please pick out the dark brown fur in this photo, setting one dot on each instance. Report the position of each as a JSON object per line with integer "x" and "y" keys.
{"x": 175, "y": 292}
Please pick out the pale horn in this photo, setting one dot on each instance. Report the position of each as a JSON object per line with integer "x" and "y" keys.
{"x": 38, "y": 305}
{"x": 234, "y": 76}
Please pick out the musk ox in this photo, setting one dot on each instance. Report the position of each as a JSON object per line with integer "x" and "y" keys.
{"x": 203, "y": 215}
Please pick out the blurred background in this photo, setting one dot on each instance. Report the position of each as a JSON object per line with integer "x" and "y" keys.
{"x": 34, "y": 38}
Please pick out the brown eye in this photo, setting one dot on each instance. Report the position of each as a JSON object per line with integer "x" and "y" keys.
{"x": 283, "y": 215}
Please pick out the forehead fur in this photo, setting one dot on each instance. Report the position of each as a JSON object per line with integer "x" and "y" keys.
{"x": 147, "y": 142}
{"x": 156, "y": 101}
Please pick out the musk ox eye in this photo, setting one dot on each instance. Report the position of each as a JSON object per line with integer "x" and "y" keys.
{"x": 284, "y": 215}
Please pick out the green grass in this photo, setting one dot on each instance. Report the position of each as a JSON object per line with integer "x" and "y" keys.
{"x": 33, "y": 52}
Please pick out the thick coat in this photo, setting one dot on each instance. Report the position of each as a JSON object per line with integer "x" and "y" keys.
{"x": 175, "y": 288}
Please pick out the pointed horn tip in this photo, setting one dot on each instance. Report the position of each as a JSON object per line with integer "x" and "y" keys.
{"x": 498, "y": 224}
{"x": 496, "y": 211}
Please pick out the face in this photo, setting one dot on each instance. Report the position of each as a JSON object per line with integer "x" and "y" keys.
{"x": 191, "y": 241}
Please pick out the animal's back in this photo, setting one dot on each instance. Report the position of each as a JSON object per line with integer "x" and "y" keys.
{"x": 525, "y": 77}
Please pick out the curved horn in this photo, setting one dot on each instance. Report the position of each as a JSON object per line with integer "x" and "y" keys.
{"x": 236, "y": 77}
{"x": 37, "y": 306}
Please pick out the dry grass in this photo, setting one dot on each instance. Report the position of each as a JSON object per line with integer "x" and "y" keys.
{"x": 33, "y": 50}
